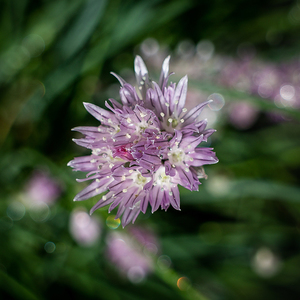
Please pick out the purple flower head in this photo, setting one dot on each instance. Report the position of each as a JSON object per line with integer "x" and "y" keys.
{"x": 144, "y": 147}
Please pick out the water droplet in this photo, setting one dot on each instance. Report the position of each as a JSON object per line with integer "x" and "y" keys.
{"x": 217, "y": 103}
{"x": 112, "y": 223}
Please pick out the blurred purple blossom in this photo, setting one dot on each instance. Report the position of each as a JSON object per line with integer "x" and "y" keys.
{"x": 85, "y": 229}
{"x": 42, "y": 188}
{"x": 131, "y": 253}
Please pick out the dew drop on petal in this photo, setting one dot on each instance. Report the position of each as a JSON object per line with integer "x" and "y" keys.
{"x": 112, "y": 223}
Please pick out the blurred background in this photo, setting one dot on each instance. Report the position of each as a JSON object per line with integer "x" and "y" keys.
{"x": 238, "y": 237}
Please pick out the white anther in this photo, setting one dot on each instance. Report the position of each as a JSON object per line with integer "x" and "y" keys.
{"x": 162, "y": 114}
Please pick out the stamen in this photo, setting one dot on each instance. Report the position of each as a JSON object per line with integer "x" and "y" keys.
{"x": 124, "y": 190}
{"x": 162, "y": 114}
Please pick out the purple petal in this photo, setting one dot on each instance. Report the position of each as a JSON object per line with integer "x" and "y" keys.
{"x": 121, "y": 80}
{"x": 97, "y": 111}
{"x": 164, "y": 73}
{"x": 180, "y": 95}
{"x": 156, "y": 197}
{"x": 192, "y": 115}
{"x": 95, "y": 188}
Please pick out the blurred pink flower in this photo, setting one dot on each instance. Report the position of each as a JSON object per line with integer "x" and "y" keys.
{"x": 41, "y": 188}
{"x": 131, "y": 253}
{"x": 243, "y": 114}
{"x": 85, "y": 229}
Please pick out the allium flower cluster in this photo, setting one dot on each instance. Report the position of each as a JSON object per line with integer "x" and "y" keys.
{"x": 144, "y": 146}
